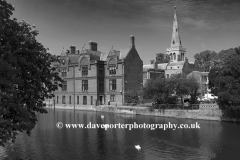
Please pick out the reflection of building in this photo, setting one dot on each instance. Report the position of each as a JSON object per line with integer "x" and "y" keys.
{"x": 202, "y": 78}
{"x": 90, "y": 75}
{"x": 178, "y": 61}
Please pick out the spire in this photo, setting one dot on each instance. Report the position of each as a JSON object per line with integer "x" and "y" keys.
{"x": 176, "y": 41}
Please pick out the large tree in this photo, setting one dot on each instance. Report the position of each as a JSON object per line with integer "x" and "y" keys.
{"x": 224, "y": 77}
{"x": 26, "y": 75}
{"x": 162, "y": 58}
{"x": 160, "y": 89}
{"x": 204, "y": 59}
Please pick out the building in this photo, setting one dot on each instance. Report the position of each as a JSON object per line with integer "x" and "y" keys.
{"x": 178, "y": 61}
{"x": 92, "y": 77}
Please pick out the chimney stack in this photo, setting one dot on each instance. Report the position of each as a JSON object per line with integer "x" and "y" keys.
{"x": 72, "y": 49}
{"x": 93, "y": 46}
{"x": 132, "y": 39}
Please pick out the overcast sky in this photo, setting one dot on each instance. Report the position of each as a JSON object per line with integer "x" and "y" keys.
{"x": 203, "y": 24}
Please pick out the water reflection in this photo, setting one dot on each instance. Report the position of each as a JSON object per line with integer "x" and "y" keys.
{"x": 215, "y": 140}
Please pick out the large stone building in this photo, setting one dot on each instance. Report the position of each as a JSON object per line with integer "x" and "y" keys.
{"x": 91, "y": 76}
{"x": 178, "y": 61}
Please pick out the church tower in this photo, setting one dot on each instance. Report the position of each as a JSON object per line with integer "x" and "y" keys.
{"x": 176, "y": 52}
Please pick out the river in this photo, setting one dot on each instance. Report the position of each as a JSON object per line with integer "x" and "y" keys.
{"x": 213, "y": 140}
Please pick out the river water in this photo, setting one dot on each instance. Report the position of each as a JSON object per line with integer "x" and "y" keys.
{"x": 214, "y": 140}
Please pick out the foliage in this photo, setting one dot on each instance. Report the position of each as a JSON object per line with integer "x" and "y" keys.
{"x": 204, "y": 59}
{"x": 27, "y": 77}
{"x": 132, "y": 98}
{"x": 168, "y": 90}
{"x": 224, "y": 79}
{"x": 160, "y": 89}
{"x": 162, "y": 58}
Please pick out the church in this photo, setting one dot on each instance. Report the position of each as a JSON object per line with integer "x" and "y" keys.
{"x": 178, "y": 62}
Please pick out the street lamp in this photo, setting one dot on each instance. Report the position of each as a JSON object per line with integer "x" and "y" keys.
{"x": 74, "y": 87}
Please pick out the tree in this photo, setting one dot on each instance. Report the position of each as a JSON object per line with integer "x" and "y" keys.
{"x": 204, "y": 59}
{"x": 224, "y": 80}
{"x": 180, "y": 86}
{"x": 160, "y": 89}
{"x": 132, "y": 98}
{"x": 162, "y": 58}
{"x": 185, "y": 86}
{"x": 193, "y": 87}
{"x": 27, "y": 77}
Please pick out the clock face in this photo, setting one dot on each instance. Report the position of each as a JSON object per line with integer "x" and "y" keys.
{"x": 63, "y": 61}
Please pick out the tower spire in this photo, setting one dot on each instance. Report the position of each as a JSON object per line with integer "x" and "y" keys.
{"x": 176, "y": 41}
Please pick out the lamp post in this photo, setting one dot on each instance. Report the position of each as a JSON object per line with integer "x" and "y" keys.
{"x": 74, "y": 87}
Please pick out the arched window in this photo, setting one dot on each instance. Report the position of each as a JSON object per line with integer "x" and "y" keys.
{"x": 171, "y": 56}
{"x": 174, "y": 55}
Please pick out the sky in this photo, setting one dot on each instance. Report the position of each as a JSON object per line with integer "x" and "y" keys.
{"x": 203, "y": 24}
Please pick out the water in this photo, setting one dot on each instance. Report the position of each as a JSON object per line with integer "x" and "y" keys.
{"x": 214, "y": 140}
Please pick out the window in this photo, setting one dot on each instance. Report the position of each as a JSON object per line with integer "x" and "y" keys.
{"x": 84, "y": 100}
{"x": 77, "y": 99}
{"x": 101, "y": 71}
{"x": 69, "y": 99}
{"x": 84, "y": 70}
{"x": 63, "y": 100}
{"x": 101, "y": 85}
{"x": 167, "y": 75}
{"x": 112, "y": 84}
{"x": 64, "y": 86}
{"x": 84, "y": 85}
{"x": 91, "y": 100}
{"x": 64, "y": 73}
{"x": 112, "y": 98}
{"x": 112, "y": 69}
{"x": 57, "y": 99}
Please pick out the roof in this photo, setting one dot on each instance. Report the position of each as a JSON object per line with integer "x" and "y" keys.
{"x": 103, "y": 56}
{"x": 180, "y": 63}
{"x": 124, "y": 54}
{"x": 162, "y": 66}
{"x": 73, "y": 58}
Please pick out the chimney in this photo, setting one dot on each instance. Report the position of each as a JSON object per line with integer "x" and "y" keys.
{"x": 186, "y": 60}
{"x": 132, "y": 39}
{"x": 72, "y": 49}
{"x": 78, "y": 51}
{"x": 93, "y": 46}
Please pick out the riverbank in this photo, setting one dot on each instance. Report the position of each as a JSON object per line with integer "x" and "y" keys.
{"x": 205, "y": 112}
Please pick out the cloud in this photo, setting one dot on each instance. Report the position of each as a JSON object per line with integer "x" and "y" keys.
{"x": 200, "y": 24}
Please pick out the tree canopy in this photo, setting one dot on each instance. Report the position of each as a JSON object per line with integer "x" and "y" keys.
{"x": 204, "y": 59}
{"x": 162, "y": 58}
{"x": 224, "y": 77}
{"x": 26, "y": 75}
{"x": 168, "y": 90}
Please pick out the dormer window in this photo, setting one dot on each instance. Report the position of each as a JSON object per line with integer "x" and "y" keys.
{"x": 112, "y": 69}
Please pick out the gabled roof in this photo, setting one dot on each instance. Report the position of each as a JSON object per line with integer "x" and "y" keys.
{"x": 124, "y": 54}
{"x": 113, "y": 52}
{"x": 73, "y": 58}
{"x": 103, "y": 56}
